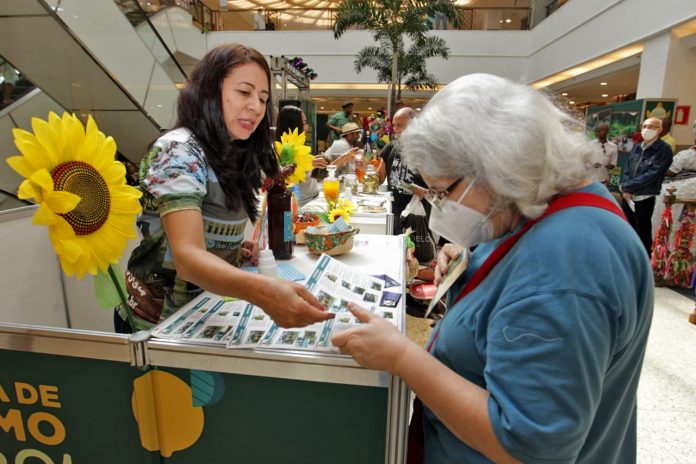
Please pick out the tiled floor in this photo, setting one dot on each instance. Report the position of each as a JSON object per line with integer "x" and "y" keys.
{"x": 667, "y": 392}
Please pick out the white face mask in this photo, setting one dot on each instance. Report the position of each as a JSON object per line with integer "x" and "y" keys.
{"x": 648, "y": 134}
{"x": 460, "y": 224}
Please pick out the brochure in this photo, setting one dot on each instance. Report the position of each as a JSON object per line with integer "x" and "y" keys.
{"x": 214, "y": 320}
{"x": 455, "y": 268}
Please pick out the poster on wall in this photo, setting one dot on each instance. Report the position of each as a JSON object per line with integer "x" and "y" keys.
{"x": 660, "y": 108}
{"x": 596, "y": 115}
{"x": 624, "y": 127}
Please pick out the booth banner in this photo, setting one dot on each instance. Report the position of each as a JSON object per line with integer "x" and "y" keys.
{"x": 65, "y": 410}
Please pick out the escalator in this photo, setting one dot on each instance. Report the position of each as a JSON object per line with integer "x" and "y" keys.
{"x": 104, "y": 58}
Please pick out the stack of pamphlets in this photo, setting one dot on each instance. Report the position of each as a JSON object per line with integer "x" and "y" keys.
{"x": 215, "y": 320}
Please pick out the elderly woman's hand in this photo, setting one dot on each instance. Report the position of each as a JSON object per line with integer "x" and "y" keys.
{"x": 448, "y": 252}
{"x": 375, "y": 344}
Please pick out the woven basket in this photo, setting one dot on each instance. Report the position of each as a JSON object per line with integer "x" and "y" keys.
{"x": 332, "y": 244}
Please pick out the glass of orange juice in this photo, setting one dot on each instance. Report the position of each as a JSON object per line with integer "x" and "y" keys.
{"x": 331, "y": 185}
{"x": 360, "y": 166}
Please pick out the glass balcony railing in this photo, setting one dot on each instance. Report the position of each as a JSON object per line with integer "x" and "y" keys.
{"x": 13, "y": 84}
{"x": 208, "y": 15}
{"x": 138, "y": 13}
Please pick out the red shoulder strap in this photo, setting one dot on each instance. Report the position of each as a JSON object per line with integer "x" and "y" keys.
{"x": 559, "y": 203}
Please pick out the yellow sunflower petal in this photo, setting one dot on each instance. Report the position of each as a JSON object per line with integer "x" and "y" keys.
{"x": 115, "y": 173}
{"x": 43, "y": 179}
{"x": 73, "y": 134}
{"x": 61, "y": 230}
{"x": 33, "y": 152}
{"x": 21, "y": 166}
{"x": 62, "y": 202}
{"x": 90, "y": 144}
{"x": 28, "y": 189}
{"x": 44, "y": 216}
{"x": 49, "y": 140}
{"x": 278, "y": 147}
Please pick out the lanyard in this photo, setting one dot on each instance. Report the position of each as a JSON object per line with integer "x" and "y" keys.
{"x": 557, "y": 204}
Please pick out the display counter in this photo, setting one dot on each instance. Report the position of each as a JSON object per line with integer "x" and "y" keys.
{"x": 71, "y": 396}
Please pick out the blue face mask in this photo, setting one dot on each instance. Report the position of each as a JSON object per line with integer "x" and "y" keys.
{"x": 460, "y": 224}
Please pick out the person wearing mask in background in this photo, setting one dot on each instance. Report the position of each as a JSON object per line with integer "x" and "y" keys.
{"x": 606, "y": 155}
{"x": 259, "y": 23}
{"x": 338, "y": 120}
{"x": 291, "y": 118}
{"x": 342, "y": 152}
{"x": 199, "y": 183}
{"x": 684, "y": 163}
{"x": 397, "y": 173}
{"x": 642, "y": 179}
{"x": 537, "y": 360}
{"x": 666, "y": 135}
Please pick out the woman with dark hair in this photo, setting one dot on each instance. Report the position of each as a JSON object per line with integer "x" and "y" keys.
{"x": 199, "y": 184}
{"x": 291, "y": 118}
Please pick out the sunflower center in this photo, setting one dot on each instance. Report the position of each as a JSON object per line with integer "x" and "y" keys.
{"x": 83, "y": 180}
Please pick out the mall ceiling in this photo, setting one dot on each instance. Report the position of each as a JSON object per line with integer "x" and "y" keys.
{"x": 583, "y": 91}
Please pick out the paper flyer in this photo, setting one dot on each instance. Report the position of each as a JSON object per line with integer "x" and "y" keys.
{"x": 455, "y": 269}
{"x": 214, "y": 320}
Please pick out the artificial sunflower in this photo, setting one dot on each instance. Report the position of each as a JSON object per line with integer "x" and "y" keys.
{"x": 336, "y": 213}
{"x": 292, "y": 150}
{"x": 346, "y": 205}
{"x": 81, "y": 191}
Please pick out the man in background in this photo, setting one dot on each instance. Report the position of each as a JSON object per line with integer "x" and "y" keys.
{"x": 396, "y": 172}
{"x": 606, "y": 155}
{"x": 338, "y": 120}
{"x": 642, "y": 180}
{"x": 343, "y": 150}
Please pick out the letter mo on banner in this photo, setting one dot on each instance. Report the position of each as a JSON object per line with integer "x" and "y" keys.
{"x": 43, "y": 426}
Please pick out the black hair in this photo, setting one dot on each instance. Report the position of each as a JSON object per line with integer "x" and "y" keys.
{"x": 237, "y": 164}
{"x": 289, "y": 119}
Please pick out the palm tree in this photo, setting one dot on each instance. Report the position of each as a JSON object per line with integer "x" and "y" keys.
{"x": 391, "y": 21}
{"x": 412, "y": 71}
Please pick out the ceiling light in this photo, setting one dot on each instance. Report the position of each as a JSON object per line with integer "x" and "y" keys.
{"x": 605, "y": 95}
{"x": 508, "y": 20}
{"x": 604, "y": 60}
{"x": 369, "y": 108}
{"x": 571, "y": 102}
{"x": 564, "y": 94}
{"x": 602, "y": 83}
{"x": 321, "y": 107}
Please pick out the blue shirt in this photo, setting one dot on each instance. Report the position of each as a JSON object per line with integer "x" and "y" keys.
{"x": 556, "y": 333}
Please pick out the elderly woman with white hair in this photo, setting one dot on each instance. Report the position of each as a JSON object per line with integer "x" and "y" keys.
{"x": 539, "y": 354}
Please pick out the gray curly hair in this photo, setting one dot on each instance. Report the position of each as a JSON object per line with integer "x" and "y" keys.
{"x": 509, "y": 136}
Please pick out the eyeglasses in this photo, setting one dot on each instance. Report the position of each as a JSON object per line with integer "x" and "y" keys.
{"x": 436, "y": 198}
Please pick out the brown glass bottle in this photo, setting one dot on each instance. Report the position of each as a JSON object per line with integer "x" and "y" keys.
{"x": 280, "y": 236}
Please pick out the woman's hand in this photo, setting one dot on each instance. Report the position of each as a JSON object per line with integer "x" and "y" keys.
{"x": 250, "y": 251}
{"x": 320, "y": 162}
{"x": 448, "y": 252}
{"x": 290, "y": 304}
{"x": 375, "y": 344}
